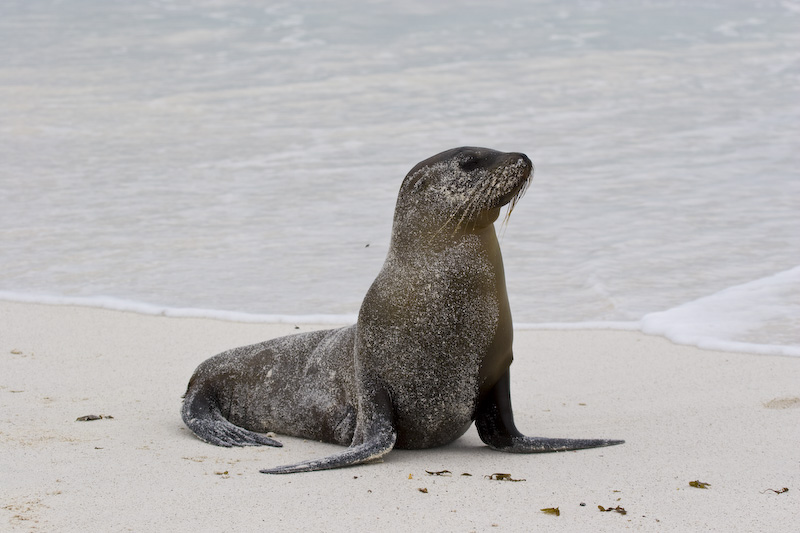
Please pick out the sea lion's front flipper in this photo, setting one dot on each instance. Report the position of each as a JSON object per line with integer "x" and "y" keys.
{"x": 495, "y": 422}
{"x": 375, "y": 436}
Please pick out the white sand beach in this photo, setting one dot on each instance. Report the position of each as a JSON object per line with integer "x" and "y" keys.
{"x": 728, "y": 419}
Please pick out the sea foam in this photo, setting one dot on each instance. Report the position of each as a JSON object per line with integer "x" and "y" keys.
{"x": 767, "y": 308}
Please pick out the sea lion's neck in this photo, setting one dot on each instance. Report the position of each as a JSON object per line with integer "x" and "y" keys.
{"x": 407, "y": 244}
{"x": 408, "y": 238}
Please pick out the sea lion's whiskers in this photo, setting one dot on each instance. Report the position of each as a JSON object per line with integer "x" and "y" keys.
{"x": 474, "y": 204}
{"x": 467, "y": 202}
{"x": 517, "y": 197}
{"x": 486, "y": 194}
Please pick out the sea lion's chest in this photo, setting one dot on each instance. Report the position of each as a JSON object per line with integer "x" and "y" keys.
{"x": 425, "y": 328}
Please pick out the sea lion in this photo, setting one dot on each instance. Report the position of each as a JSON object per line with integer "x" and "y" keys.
{"x": 429, "y": 354}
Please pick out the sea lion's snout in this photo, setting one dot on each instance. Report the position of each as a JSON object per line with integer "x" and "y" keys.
{"x": 516, "y": 160}
{"x": 512, "y": 175}
{"x": 522, "y": 160}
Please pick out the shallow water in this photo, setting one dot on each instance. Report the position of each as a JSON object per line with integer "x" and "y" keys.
{"x": 227, "y": 157}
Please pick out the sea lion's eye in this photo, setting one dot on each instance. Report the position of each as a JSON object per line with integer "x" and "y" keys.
{"x": 470, "y": 162}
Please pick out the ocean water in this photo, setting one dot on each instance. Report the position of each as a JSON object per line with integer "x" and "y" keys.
{"x": 241, "y": 159}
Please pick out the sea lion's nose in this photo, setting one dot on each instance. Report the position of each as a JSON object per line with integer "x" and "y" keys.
{"x": 523, "y": 160}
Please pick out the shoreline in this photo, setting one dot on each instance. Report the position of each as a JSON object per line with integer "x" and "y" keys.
{"x": 650, "y": 324}
{"x": 728, "y": 419}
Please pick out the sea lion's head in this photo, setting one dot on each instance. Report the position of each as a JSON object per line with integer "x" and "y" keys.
{"x": 460, "y": 190}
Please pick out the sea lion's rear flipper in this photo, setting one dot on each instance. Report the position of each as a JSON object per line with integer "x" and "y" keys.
{"x": 375, "y": 436}
{"x": 201, "y": 413}
{"x": 495, "y": 422}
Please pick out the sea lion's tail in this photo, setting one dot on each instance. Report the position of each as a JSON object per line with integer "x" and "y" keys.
{"x": 201, "y": 413}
